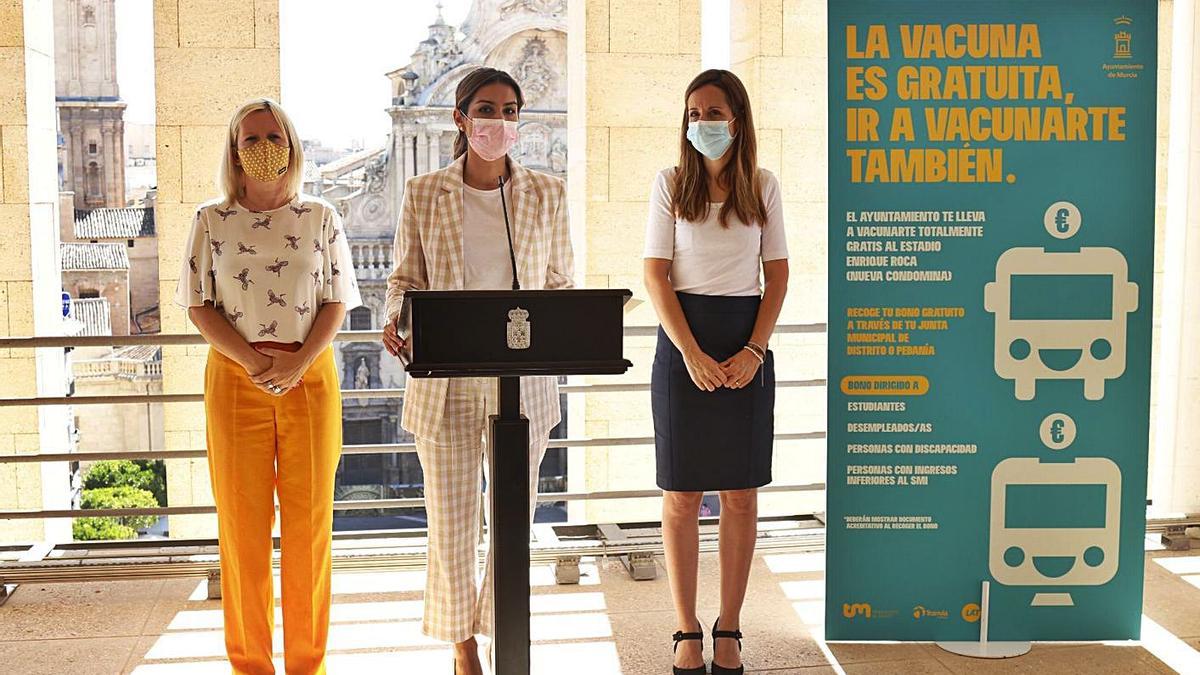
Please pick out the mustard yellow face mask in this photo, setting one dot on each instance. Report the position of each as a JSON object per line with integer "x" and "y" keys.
{"x": 264, "y": 161}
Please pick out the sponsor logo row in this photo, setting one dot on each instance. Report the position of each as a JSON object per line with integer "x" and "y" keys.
{"x": 970, "y": 612}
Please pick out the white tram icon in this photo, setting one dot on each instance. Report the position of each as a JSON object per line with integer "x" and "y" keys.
{"x": 1080, "y": 335}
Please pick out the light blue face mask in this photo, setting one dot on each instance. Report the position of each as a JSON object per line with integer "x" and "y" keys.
{"x": 710, "y": 138}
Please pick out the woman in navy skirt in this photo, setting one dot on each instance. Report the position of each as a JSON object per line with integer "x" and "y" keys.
{"x": 715, "y": 224}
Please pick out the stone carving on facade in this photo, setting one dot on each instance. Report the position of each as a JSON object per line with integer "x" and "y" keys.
{"x": 375, "y": 173}
{"x": 534, "y": 7}
{"x": 534, "y": 72}
{"x": 362, "y": 376}
{"x": 558, "y": 156}
{"x": 374, "y": 208}
{"x": 533, "y": 145}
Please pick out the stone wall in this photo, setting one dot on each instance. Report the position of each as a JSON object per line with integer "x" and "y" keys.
{"x": 210, "y": 57}
{"x": 630, "y": 63}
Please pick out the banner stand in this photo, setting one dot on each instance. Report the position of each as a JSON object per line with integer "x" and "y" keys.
{"x": 984, "y": 649}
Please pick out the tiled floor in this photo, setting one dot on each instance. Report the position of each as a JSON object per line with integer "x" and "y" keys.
{"x": 607, "y": 624}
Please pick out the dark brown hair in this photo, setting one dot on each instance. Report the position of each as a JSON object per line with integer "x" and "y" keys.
{"x": 689, "y": 194}
{"x": 465, "y": 93}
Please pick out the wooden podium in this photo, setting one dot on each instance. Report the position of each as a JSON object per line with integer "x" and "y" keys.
{"x": 507, "y": 334}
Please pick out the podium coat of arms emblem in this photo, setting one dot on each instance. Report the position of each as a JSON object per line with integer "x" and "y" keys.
{"x": 518, "y": 329}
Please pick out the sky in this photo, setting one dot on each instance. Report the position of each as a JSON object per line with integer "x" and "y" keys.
{"x": 333, "y": 56}
{"x": 135, "y": 54}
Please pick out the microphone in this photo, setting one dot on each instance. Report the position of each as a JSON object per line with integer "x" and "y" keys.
{"x": 512, "y": 252}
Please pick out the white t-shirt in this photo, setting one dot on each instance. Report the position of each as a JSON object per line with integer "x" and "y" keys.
{"x": 486, "y": 263}
{"x": 268, "y": 272}
{"x": 707, "y": 259}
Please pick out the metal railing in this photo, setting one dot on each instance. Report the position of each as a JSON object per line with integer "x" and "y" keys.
{"x": 344, "y": 336}
{"x": 376, "y": 550}
{"x": 41, "y": 562}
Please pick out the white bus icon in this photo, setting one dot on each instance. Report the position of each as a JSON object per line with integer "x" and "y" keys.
{"x": 1076, "y": 334}
{"x": 1033, "y": 542}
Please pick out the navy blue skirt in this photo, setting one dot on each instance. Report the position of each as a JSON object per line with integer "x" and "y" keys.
{"x": 718, "y": 440}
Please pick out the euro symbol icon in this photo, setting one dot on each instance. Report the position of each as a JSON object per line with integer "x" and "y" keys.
{"x": 1060, "y": 220}
{"x": 1056, "y": 431}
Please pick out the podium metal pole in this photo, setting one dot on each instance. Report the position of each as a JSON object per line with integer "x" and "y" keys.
{"x": 509, "y": 533}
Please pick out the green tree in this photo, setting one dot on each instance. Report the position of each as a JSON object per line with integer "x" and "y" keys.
{"x": 143, "y": 474}
{"x": 123, "y": 527}
{"x": 97, "y": 529}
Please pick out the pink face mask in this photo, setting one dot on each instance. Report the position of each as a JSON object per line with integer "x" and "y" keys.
{"x": 492, "y": 138}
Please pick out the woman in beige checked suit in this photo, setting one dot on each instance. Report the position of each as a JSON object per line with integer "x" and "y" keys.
{"x": 452, "y": 236}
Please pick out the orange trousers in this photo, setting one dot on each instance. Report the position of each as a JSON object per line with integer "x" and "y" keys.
{"x": 259, "y": 444}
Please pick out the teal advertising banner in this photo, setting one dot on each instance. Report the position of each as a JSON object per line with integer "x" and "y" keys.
{"x": 991, "y": 249}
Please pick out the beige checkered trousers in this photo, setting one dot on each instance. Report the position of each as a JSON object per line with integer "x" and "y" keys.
{"x": 448, "y": 416}
{"x": 456, "y": 605}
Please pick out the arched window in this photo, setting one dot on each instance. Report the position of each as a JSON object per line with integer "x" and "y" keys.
{"x": 92, "y": 178}
{"x": 360, "y": 318}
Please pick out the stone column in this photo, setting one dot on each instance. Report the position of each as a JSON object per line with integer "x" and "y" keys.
{"x": 422, "y": 152}
{"x": 78, "y": 162}
{"x": 75, "y": 156}
{"x": 628, "y": 63}
{"x": 29, "y": 277}
{"x": 210, "y": 56}
{"x": 119, "y": 155}
{"x": 1175, "y": 447}
{"x": 406, "y": 156}
{"x": 435, "y": 150}
{"x": 108, "y": 169}
{"x": 778, "y": 49}
{"x": 395, "y": 165}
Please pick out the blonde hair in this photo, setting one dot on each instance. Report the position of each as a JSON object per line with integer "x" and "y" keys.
{"x": 689, "y": 194}
{"x": 231, "y": 178}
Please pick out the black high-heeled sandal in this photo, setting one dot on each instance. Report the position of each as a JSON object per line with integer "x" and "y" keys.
{"x": 680, "y": 636}
{"x": 733, "y": 635}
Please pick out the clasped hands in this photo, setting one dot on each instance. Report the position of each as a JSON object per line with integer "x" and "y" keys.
{"x": 278, "y": 371}
{"x": 734, "y": 372}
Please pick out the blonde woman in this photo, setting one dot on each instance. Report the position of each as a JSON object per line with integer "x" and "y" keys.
{"x": 452, "y": 236}
{"x": 716, "y": 270}
{"x": 267, "y": 279}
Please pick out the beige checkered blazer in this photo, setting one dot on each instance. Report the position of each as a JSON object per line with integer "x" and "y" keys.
{"x": 428, "y": 255}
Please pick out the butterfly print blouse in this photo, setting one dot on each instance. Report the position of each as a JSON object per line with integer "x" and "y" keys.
{"x": 251, "y": 261}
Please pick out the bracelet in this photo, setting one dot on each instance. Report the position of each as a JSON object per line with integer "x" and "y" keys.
{"x": 757, "y": 349}
{"x": 756, "y": 354}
